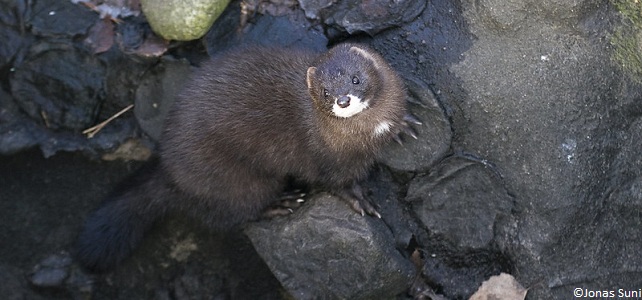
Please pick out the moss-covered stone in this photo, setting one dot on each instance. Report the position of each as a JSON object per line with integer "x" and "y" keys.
{"x": 182, "y": 20}
{"x": 627, "y": 39}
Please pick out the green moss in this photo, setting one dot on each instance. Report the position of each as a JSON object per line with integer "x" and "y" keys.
{"x": 630, "y": 9}
{"x": 627, "y": 39}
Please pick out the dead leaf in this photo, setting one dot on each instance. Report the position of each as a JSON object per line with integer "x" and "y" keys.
{"x": 500, "y": 287}
{"x": 112, "y": 9}
{"x": 153, "y": 46}
{"x": 416, "y": 259}
{"x": 132, "y": 149}
{"x": 101, "y": 36}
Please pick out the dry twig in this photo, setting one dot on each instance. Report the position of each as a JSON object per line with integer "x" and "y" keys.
{"x": 90, "y": 132}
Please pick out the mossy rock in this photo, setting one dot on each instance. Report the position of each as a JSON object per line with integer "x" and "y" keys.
{"x": 627, "y": 39}
{"x": 182, "y": 20}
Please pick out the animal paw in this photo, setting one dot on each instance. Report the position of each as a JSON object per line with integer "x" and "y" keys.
{"x": 355, "y": 197}
{"x": 286, "y": 205}
{"x": 405, "y": 127}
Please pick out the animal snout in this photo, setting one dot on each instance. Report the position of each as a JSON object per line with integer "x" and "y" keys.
{"x": 343, "y": 101}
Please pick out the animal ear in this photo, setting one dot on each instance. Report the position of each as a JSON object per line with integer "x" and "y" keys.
{"x": 365, "y": 54}
{"x": 310, "y": 76}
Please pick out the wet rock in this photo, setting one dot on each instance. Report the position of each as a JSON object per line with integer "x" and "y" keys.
{"x": 370, "y": 17}
{"x": 9, "y": 51}
{"x": 550, "y": 133}
{"x": 290, "y": 30}
{"x": 456, "y": 272}
{"x": 434, "y": 134}
{"x": 19, "y": 132}
{"x": 136, "y": 37}
{"x": 52, "y": 271}
{"x": 156, "y": 92}
{"x": 60, "y": 18}
{"x": 286, "y": 31}
{"x": 460, "y": 202}
{"x": 460, "y": 199}
{"x": 16, "y": 131}
{"x": 60, "y": 86}
{"x": 123, "y": 77}
{"x": 57, "y": 89}
{"x": 326, "y": 250}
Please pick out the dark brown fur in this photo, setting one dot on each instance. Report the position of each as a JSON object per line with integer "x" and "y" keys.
{"x": 244, "y": 123}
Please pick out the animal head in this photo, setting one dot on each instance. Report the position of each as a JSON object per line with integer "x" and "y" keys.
{"x": 346, "y": 80}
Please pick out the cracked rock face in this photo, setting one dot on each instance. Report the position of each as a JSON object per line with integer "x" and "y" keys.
{"x": 325, "y": 250}
{"x": 370, "y": 17}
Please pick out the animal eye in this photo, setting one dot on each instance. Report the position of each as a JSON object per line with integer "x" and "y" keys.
{"x": 326, "y": 93}
{"x": 355, "y": 80}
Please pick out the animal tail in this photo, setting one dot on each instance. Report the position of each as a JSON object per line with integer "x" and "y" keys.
{"x": 114, "y": 230}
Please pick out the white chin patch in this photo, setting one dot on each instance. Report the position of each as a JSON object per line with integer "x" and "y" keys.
{"x": 356, "y": 106}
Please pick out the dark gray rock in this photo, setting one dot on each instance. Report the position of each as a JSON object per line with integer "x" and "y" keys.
{"x": 327, "y": 251}
{"x": 51, "y": 271}
{"x": 434, "y": 134}
{"x": 10, "y": 51}
{"x": 290, "y": 30}
{"x": 156, "y": 92}
{"x": 56, "y": 87}
{"x": 19, "y": 132}
{"x": 59, "y": 18}
{"x": 16, "y": 131}
{"x": 558, "y": 141}
{"x": 370, "y": 17}
{"x": 549, "y": 130}
{"x": 60, "y": 86}
{"x": 461, "y": 200}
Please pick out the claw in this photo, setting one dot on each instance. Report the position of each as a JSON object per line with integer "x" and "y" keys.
{"x": 412, "y": 119}
{"x": 357, "y": 201}
{"x": 286, "y": 204}
{"x": 410, "y": 131}
{"x": 397, "y": 139}
{"x": 292, "y": 196}
{"x": 273, "y": 212}
{"x": 414, "y": 100}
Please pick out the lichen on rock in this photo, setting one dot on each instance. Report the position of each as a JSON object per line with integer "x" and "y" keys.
{"x": 627, "y": 39}
{"x": 182, "y": 20}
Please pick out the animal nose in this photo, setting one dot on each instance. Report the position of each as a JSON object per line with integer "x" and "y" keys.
{"x": 343, "y": 101}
